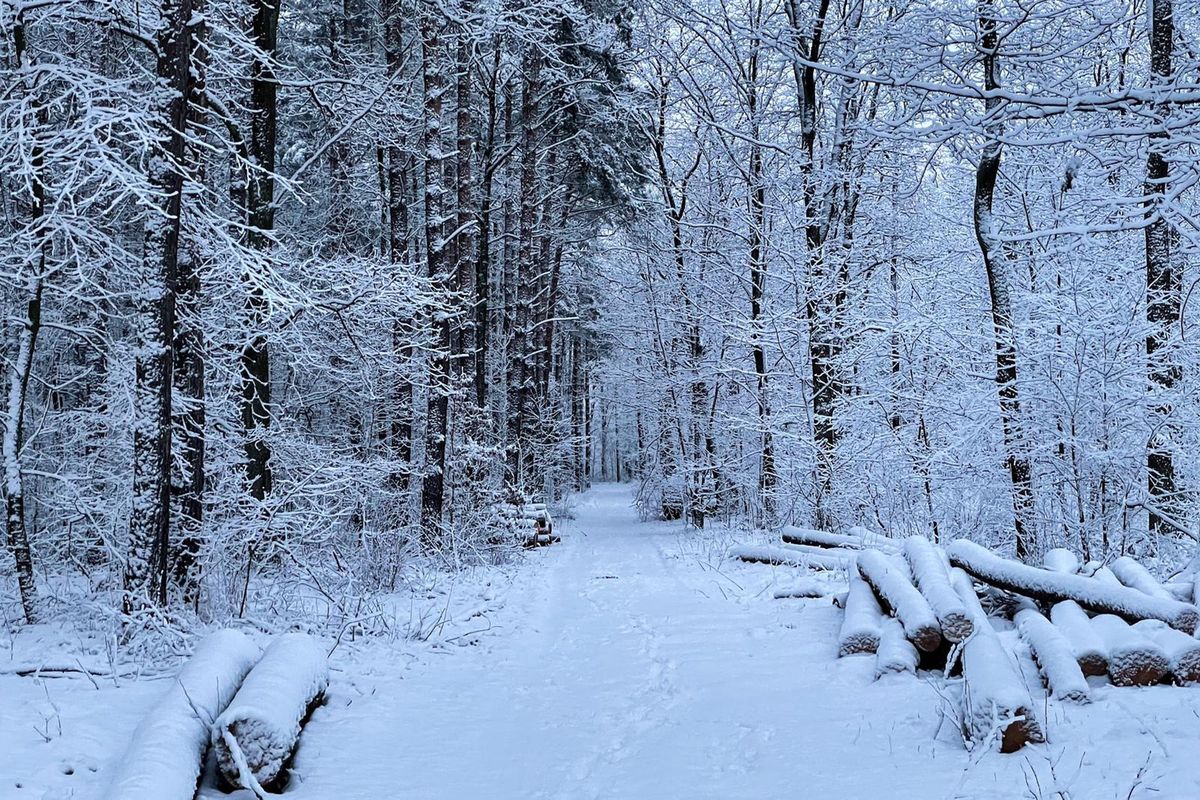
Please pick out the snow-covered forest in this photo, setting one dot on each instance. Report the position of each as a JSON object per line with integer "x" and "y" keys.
{"x": 317, "y": 316}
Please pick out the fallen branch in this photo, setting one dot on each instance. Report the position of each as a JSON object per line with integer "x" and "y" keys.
{"x": 781, "y": 557}
{"x": 807, "y": 536}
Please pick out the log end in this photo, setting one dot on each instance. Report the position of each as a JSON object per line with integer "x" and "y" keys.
{"x": 957, "y": 627}
{"x": 1021, "y": 732}
{"x": 1093, "y": 664}
{"x": 1187, "y": 621}
{"x": 927, "y": 638}
{"x": 858, "y": 644}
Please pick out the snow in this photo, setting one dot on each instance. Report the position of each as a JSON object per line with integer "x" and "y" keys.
{"x": 856, "y": 540}
{"x": 1088, "y": 592}
{"x": 1054, "y": 655}
{"x": 164, "y": 756}
{"x": 1060, "y": 559}
{"x": 257, "y": 732}
{"x": 933, "y": 579}
{"x": 633, "y": 662}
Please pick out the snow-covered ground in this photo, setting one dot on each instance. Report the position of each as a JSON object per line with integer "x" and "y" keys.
{"x": 631, "y": 661}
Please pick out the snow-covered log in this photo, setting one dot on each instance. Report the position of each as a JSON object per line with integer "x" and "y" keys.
{"x": 862, "y": 620}
{"x": 932, "y": 577}
{"x": 1073, "y": 622}
{"x": 1134, "y": 659}
{"x": 1183, "y": 591}
{"x": 1054, "y": 656}
{"x": 802, "y": 588}
{"x": 794, "y": 535}
{"x": 997, "y": 709}
{"x": 258, "y": 732}
{"x": 1050, "y": 586}
{"x": 895, "y": 653}
{"x": 782, "y": 557}
{"x": 164, "y": 756}
{"x": 889, "y": 578}
{"x": 1060, "y": 559}
{"x": 1135, "y": 576}
{"x": 1183, "y": 651}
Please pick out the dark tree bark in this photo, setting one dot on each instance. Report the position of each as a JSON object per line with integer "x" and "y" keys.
{"x": 150, "y": 520}
{"x": 483, "y": 261}
{"x": 1163, "y": 283}
{"x": 1001, "y": 282}
{"x": 437, "y": 406}
{"x": 256, "y": 359}
{"x": 189, "y": 348}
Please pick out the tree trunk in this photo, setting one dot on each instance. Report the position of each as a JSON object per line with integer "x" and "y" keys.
{"x": 997, "y": 264}
{"x": 150, "y": 519}
{"x": 256, "y": 361}
{"x": 1163, "y": 283}
{"x": 437, "y": 406}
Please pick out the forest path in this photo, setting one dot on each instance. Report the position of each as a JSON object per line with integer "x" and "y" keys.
{"x": 632, "y": 661}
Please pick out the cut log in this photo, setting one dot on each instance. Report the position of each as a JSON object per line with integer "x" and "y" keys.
{"x": 1135, "y": 576}
{"x": 1183, "y": 651}
{"x": 164, "y": 756}
{"x": 1134, "y": 659}
{"x": 803, "y": 588}
{"x": 896, "y": 653}
{"x": 889, "y": 578}
{"x": 793, "y": 535}
{"x": 256, "y": 735}
{"x": 997, "y": 709}
{"x": 862, "y": 621}
{"x": 1061, "y": 560}
{"x": 1050, "y": 586}
{"x": 1090, "y": 651}
{"x": 932, "y": 578}
{"x": 1054, "y": 656}
{"x": 781, "y": 557}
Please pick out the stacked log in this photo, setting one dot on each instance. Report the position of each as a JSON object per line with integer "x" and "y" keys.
{"x": 1054, "y": 656}
{"x": 933, "y": 580}
{"x": 1133, "y": 658}
{"x": 1074, "y": 624}
{"x": 892, "y": 584}
{"x": 1135, "y": 576}
{"x": 787, "y": 557}
{"x": 256, "y": 735}
{"x": 807, "y": 536}
{"x": 862, "y": 621}
{"x": 1091, "y": 593}
{"x": 997, "y": 710}
{"x": 896, "y": 653}
{"x": 1182, "y": 651}
{"x": 165, "y": 754}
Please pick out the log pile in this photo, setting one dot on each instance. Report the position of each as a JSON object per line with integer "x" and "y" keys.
{"x": 916, "y": 605}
